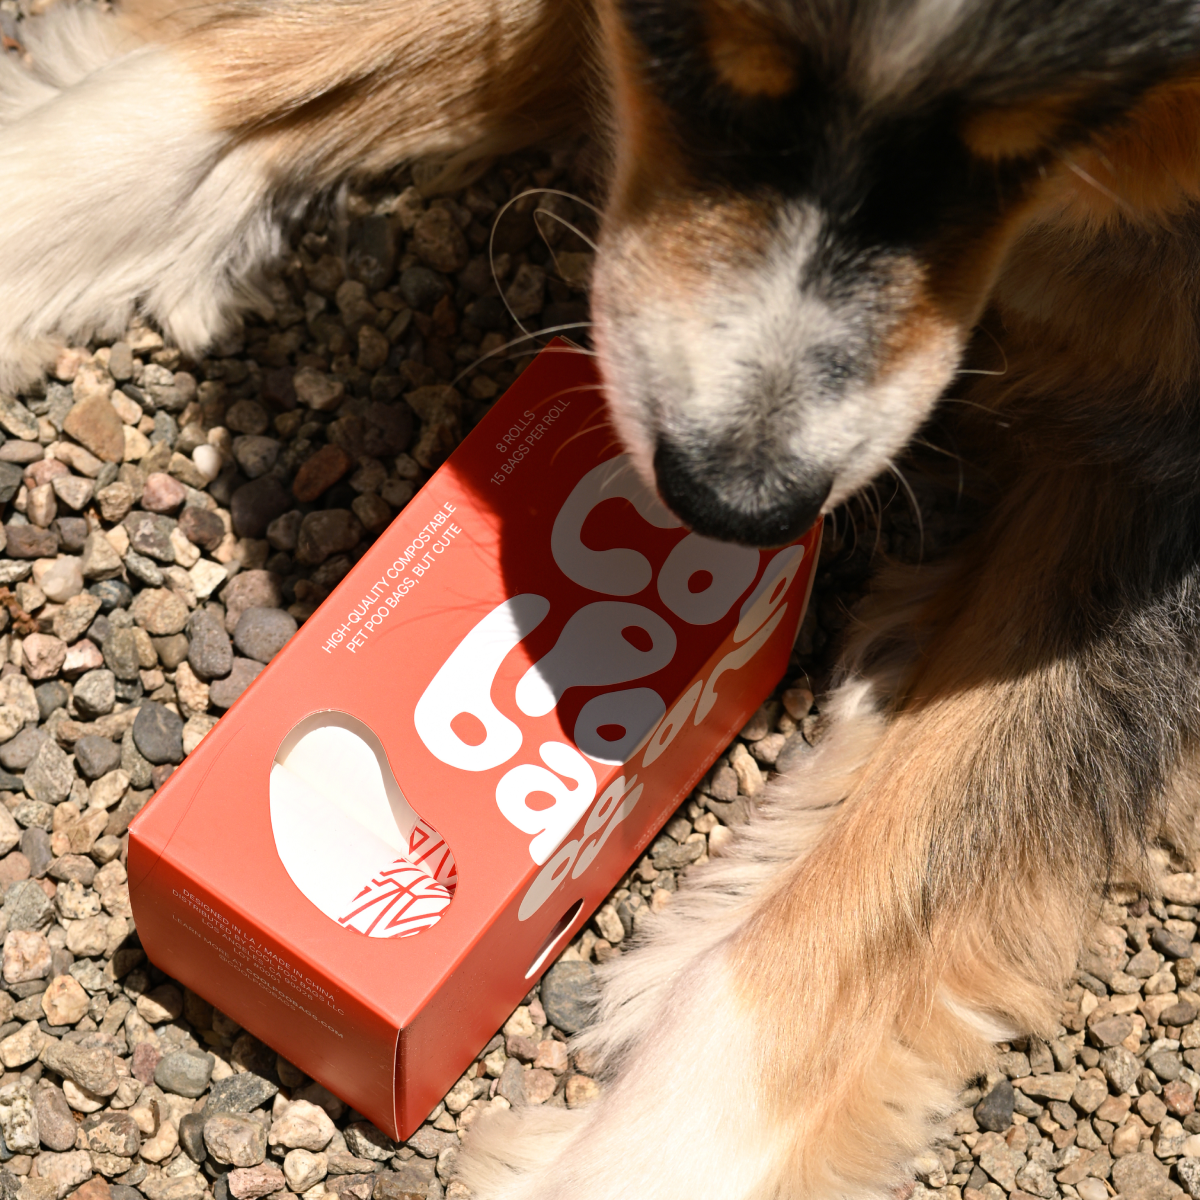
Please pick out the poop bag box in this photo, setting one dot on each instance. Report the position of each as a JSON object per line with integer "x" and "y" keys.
{"x": 385, "y": 841}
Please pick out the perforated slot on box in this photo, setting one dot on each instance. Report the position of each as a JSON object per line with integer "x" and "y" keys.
{"x": 348, "y": 837}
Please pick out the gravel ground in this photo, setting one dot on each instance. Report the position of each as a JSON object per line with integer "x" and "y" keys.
{"x": 168, "y": 524}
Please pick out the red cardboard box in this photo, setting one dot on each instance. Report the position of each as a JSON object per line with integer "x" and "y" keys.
{"x": 446, "y": 770}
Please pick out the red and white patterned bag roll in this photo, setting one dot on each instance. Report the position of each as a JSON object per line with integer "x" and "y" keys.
{"x": 399, "y": 901}
{"x": 427, "y": 848}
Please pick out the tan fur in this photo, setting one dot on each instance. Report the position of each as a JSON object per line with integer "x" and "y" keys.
{"x": 748, "y": 52}
{"x": 384, "y": 82}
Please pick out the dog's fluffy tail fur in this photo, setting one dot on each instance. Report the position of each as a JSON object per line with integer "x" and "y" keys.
{"x": 143, "y": 157}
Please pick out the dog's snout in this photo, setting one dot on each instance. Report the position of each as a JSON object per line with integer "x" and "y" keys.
{"x": 752, "y": 504}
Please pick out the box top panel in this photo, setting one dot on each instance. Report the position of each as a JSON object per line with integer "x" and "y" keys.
{"x": 523, "y": 625}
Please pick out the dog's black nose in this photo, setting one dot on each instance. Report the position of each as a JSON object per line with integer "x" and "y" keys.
{"x": 755, "y": 506}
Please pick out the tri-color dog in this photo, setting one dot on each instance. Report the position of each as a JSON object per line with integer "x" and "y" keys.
{"x": 813, "y": 203}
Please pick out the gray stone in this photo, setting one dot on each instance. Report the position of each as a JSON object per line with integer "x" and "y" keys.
{"x": 201, "y": 527}
{"x": 1166, "y": 1064}
{"x": 191, "y": 1136}
{"x": 1170, "y": 944}
{"x": 249, "y": 589}
{"x": 150, "y": 534}
{"x": 96, "y": 756}
{"x": 256, "y": 504}
{"x": 327, "y": 532}
{"x": 794, "y": 750}
{"x": 10, "y": 480}
{"x": 1111, "y": 1031}
{"x": 17, "y": 753}
{"x": 1142, "y": 1177}
{"x": 210, "y": 652}
{"x": 112, "y": 594}
{"x": 95, "y": 693}
{"x": 224, "y": 692}
{"x": 99, "y": 560}
{"x": 144, "y": 569}
{"x": 995, "y": 1111}
{"x": 405, "y": 1178}
{"x": 1120, "y": 1068}
{"x": 77, "y": 868}
{"x": 569, "y": 995}
{"x": 50, "y": 696}
{"x": 364, "y": 1140}
{"x": 26, "y": 906}
{"x": 526, "y": 293}
{"x": 1187, "y": 1171}
{"x": 255, "y": 454}
{"x": 50, "y": 775}
{"x": 171, "y": 650}
{"x": 1181, "y": 1013}
{"x": 423, "y": 288}
{"x": 438, "y": 241}
{"x": 429, "y": 1142}
{"x": 185, "y": 1072}
{"x": 262, "y": 632}
{"x": 235, "y": 1140}
{"x": 121, "y": 653}
{"x": 133, "y": 763}
{"x": 94, "y": 1069}
{"x": 240, "y": 1093}
{"x": 158, "y": 733}
{"x": 35, "y": 845}
{"x": 30, "y": 813}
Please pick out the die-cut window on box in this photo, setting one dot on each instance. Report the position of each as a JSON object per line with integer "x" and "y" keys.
{"x": 348, "y": 837}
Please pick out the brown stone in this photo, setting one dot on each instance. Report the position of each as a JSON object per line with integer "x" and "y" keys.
{"x": 96, "y": 1188}
{"x": 94, "y": 423}
{"x": 320, "y": 473}
{"x": 201, "y": 527}
{"x": 29, "y": 541}
{"x": 13, "y": 867}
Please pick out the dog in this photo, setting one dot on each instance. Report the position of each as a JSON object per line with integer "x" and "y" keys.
{"x": 812, "y": 207}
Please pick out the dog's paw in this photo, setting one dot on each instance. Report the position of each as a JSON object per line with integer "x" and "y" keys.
{"x": 117, "y": 195}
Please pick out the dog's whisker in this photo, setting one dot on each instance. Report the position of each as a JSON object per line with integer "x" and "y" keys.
{"x": 525, "y": 336}
{"x": 916, "y": 508}
{"x": 492, "y": 237}
{"x": 545, "y": 212}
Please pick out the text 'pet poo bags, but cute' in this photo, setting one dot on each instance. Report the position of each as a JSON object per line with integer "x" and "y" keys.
{"x": 446, "y": 770}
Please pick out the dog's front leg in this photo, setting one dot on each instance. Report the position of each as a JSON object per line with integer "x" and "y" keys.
{"x": 917, "y": 892}
{"x": 150, "y": 159}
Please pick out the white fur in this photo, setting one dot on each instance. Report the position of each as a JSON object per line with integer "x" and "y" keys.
{"x": 680, "y": 1115}
{"x": 900, "y": 47}
{"x": 729, "y": 360}
{"x": 116, "y": 198}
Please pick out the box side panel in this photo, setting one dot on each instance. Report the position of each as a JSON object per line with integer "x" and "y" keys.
{"x": 223, "y": 956}
{"x": 442, "y": 1039}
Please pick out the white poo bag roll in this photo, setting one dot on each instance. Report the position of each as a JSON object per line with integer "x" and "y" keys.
{"x": 347, "y": 836}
